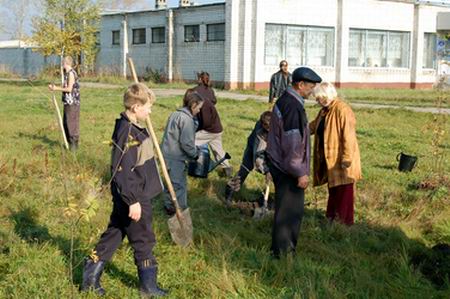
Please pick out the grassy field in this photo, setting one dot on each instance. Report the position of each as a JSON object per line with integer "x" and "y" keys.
{"x": 401, "y": 97}
{"x": 44, "y": 190}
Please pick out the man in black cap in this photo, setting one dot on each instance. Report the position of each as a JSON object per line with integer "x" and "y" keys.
{"x": 288, "y": 152}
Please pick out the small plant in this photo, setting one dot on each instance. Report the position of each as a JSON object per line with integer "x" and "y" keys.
{"x": 154, "y": 76}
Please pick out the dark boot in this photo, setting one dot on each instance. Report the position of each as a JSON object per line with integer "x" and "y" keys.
{"x": 91, "y": 276}
{"x": 148, "y": 284}
{"x": 73, "y": 146}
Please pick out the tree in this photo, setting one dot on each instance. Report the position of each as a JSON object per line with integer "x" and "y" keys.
{"x": 68, "y": 27}
{"x": 17, "y": 14}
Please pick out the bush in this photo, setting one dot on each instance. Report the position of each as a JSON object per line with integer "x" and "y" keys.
{"x": 154, "y": 76}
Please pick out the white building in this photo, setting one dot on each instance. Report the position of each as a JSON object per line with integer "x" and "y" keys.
{"x": 353, "y": 43}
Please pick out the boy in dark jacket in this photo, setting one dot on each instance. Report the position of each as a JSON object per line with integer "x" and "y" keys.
{"x": 178, "y": 146}
{"x": 135, "y": 182}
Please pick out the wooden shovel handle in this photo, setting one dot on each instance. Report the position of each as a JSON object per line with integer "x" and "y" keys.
{"x": 60, "y": 122}
{"x": 266, "y": 195}
{"x": 163, "y": 165}
{"x": 159, "y": 154}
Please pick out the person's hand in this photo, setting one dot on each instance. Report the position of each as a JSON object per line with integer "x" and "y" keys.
{"x": 51, "y": 87}
{"x": 135, "y": 211}
{"x": 303, "y": 182}
{"x": 268, "y": 177}
{"x": 345, "y": 164}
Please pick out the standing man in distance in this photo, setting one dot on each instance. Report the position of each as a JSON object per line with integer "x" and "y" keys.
{"x": 279, "y": 82}
{"x": 288, "y": 151}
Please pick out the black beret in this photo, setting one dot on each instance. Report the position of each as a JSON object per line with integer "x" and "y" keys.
{"x": 305, "y": 74}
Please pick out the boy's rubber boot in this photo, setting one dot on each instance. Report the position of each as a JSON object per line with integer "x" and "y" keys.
{"x": 148, "y": 284}
{"x": 91, "y": 276}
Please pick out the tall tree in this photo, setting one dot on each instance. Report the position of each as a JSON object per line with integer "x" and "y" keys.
{"x": 17, "y": 15}
{"x": 68, "y": 27}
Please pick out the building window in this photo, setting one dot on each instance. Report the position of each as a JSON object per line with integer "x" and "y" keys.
{"x": 429, "y": 51}
{"x": 299, "y": 45}
{"x": 192, "y": 33}
{"x": 320, "y": 46}
{"x": 216, "y": 32}
{"x": 371, "y": 48}
{"x": 116, "y": 37}
{"x": 139, "y": 36}
{"x": 158, "y": 35}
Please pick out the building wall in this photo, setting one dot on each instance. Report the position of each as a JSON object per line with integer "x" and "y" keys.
{"x": 24, "y": 61}
{"x": 319, "y": 13}
{"x": 193, "y": 57}
{"x": 188, "y": 57}
{"x": 145, "y": 56}
{"x": 247, "y": 68}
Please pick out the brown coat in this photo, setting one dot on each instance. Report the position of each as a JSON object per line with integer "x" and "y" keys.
{"x": 340, "y": 146}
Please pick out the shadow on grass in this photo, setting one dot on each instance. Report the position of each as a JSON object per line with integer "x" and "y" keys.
{"x": 43, "y": 139}
{"x": 386, "y": 166}
{"x": 29, "y": 230}
{"x": 365, "y": 255}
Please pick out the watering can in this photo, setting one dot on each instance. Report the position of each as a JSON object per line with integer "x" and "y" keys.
{"x": 202, "y": 166}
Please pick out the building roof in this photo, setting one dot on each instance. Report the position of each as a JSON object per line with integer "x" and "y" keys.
{"x": 15, "y": 44}
{"x": 121, "y": 12}
{"x": 445, "y": 3}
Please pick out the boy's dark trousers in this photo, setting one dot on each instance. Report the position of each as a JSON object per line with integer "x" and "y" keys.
{"x": 140, "y": 234}
{"x": 289, "y": 206}
{"x": 72, "y": 124}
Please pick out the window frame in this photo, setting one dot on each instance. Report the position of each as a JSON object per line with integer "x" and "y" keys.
{"x": 435, "y": 59}
{"x": 207, "y": 32}
{"x": 112, "y": 38}
{"x": 186, "y": 40}
{"x": 164, "y": 32}
{"x": 306, "y": 35}
{"x": 386, "y": 34}
{"x": 133, "y": 41}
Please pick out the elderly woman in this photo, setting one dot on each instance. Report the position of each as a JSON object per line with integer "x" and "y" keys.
{"x": 336, "y": 152}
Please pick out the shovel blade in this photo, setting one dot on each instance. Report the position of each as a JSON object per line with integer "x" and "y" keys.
{"x": 181, "y": 229}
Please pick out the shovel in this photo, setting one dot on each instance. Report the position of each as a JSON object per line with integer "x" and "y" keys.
{"x": 180, "y": 225}
{"x": 264, "y": 210}
{"x": 60, "y": 122}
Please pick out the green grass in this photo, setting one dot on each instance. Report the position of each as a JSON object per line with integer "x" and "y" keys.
{"x": 401, "y": 97}
{"x": 230, "y": 257}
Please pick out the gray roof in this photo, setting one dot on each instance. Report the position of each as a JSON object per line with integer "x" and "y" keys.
{"x": 121, "y": 12}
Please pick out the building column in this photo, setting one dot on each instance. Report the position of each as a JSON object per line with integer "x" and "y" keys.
{"x": 232, "y": 25}
{"x": 416, "y": 61}
{"x": 170, "y": 42}
{"x": 342, "y": 41}
{"x": 124, "y": 46}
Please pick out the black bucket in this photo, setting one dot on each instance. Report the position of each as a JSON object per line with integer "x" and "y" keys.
{"x": 406, "y": 162}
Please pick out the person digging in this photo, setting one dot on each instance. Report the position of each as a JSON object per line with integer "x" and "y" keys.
{"x": 254, "y": 157}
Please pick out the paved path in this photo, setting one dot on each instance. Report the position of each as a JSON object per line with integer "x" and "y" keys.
{"x": 162, "y": 92}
